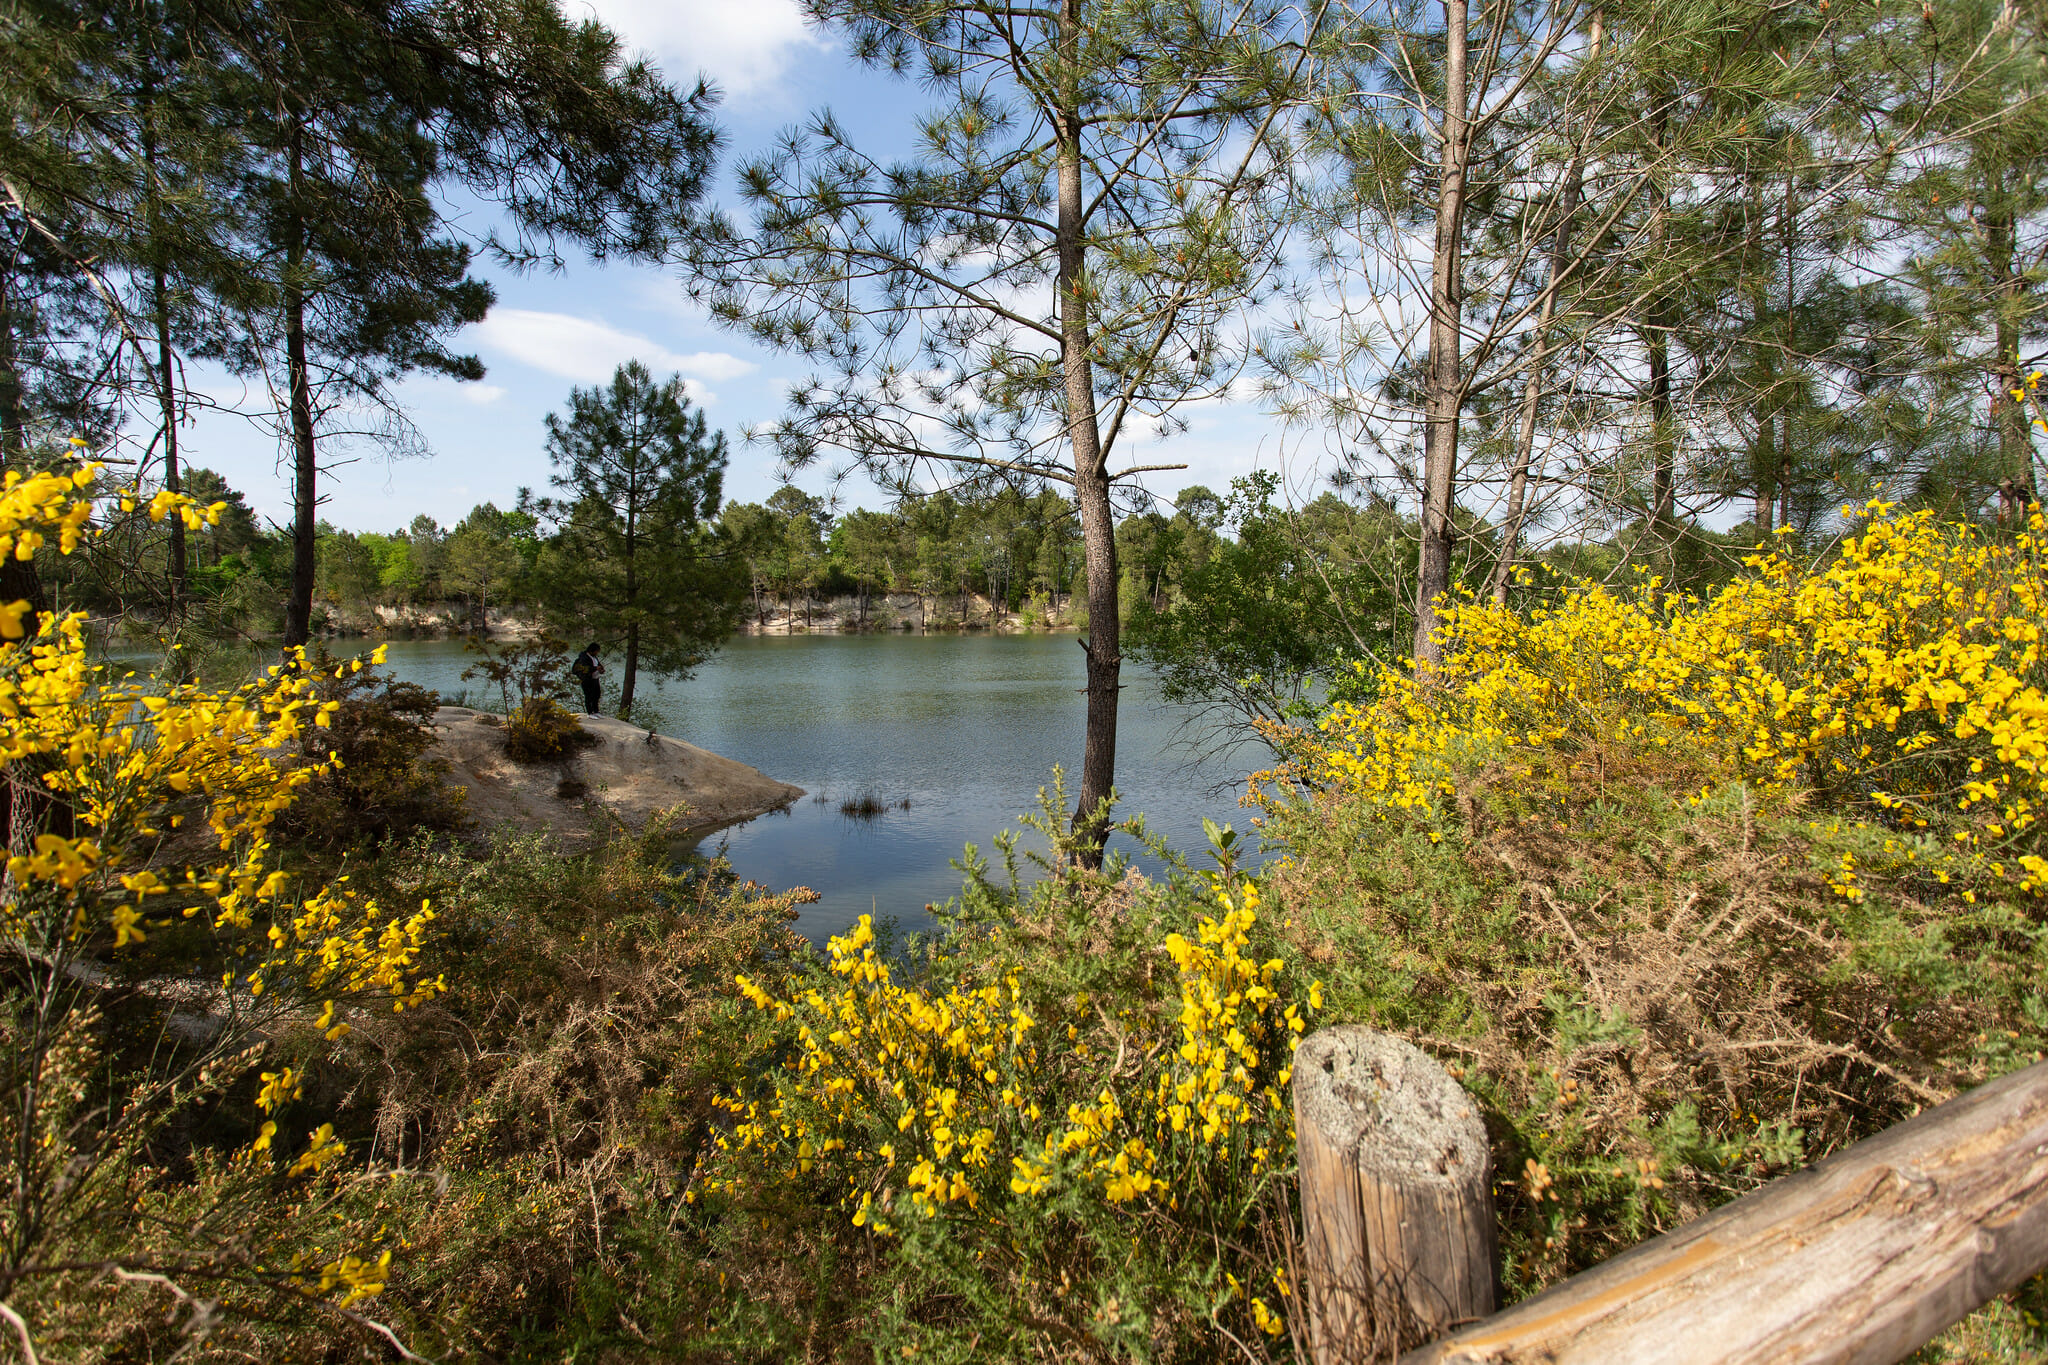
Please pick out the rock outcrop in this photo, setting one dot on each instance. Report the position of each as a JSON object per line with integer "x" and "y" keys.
{"x": 622, "y": 779}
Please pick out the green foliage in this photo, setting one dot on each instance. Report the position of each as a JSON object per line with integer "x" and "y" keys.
{"x": 521, "y": 670}
{"x": 1073, "y": 1135}
{"x": 1675, "y": 948}
{"x": 264, "y": 187}
{"x": 1661, "y": 1003}
{"x": 1597, "y": 958}
{"x": 540, "y": 729}
{"x": 524, "y": 1142}
{"x": 638, "y": 557}
{"x": 1000, "y": 544}
{"x": 1267, "y": 622}
{"x": 385, "y": 784}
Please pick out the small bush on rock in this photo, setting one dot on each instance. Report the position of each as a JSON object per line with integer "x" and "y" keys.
{"x": 542, "y": 729}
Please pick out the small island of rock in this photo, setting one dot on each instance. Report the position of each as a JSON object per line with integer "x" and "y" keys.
{"x": 623, "y": 779}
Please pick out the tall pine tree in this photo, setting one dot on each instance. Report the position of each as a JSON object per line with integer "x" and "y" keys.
{"x": 1091, "y": 203}
{"x": 638, "y": 558}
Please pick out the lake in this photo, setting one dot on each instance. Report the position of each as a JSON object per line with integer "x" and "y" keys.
{"x": 966, "y": 727}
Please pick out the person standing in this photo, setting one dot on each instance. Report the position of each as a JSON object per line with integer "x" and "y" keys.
{"x": 587, "y": 670}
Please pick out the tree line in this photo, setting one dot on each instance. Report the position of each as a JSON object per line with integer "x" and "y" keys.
{"x": 990, "y": 552}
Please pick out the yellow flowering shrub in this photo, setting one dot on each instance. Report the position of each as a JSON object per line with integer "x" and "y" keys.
{"x": 971, "y": 1103}
{"x": 139, "y": 853}
{"x": 1906, "y": 675}
{"x": 1691, "y": 891}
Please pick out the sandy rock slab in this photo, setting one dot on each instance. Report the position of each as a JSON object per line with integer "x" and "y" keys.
{"x": 625, "y": 777}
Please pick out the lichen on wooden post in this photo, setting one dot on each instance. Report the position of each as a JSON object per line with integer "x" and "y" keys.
{"x": 1396, "y": 1206}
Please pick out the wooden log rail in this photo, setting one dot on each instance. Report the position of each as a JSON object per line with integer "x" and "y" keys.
{"x": 1864, "y": 1257}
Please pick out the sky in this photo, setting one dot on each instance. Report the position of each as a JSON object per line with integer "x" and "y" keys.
{"x": 549, "y": 332}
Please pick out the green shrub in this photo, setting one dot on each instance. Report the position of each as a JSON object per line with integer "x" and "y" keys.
{"x": 522, "y": 1144}
{"x": 541, "y": 728}
{"x": 1059, "y": 1128}
{"x": 1692, "y": 894}
{"x": 520, "y": 671}
{"x": 385, "y": 784}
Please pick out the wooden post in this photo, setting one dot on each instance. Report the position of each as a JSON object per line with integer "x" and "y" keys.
{"x": 1863, "y": 1258}
{"x": 1396, "y": 1206}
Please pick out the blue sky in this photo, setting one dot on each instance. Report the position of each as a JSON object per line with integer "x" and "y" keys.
{"x": 551, "y": 331}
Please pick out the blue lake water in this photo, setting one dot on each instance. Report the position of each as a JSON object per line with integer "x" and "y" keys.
{"x": 966, "y": 727}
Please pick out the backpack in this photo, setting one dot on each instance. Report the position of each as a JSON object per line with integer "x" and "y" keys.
{"x": 581, "y": 669}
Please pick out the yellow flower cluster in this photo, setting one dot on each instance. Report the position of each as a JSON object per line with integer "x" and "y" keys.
{"x": 127, "y": 764}
{"x": 2029, "y": 395}
{"x": 355, "y": 1278}
{"x": 1907, "y": 673}
{"x": 947, "y": 1102}
{"x": 1231, "y": 1016}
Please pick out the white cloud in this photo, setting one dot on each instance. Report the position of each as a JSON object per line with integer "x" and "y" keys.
{"x": 588, "y": 351}
{"x": 743, "y": 45}
{"x": 480, "y": 394}
{"x": 710, "y": 365}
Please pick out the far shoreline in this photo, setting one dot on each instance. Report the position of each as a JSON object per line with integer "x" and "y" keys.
{"x": 893, "y": 614}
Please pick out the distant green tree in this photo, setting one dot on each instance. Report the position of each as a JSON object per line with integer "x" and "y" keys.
{"x": 347, "y": 569}
{"x": 427, "y": 546}
{"x": 235, "y": 531}
{"x": 486, "y": 555}
{"x": 396, "y": 579}
{"x": 752, "y": 532}
{"x": 866, "y": 545}
{"x": 800, "y": 558}
{"x": 1059, "y": 553}
{"x": 1275, "y": 620}
{"x": 638, "y": 556}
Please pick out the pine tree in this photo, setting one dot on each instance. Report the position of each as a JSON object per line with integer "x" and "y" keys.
{"x": 1090, "y": 204}
{"x": 1969, "y": 195}
{"x": 283, "y": 165}
{"x": 638, "y": 557}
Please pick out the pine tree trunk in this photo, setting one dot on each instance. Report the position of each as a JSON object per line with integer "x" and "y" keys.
{"x": 298, "y": 612}
{"x": 1443, "y": 382}
{"x": 1790, "y": 222}
{"x": 18, "y": 579}
{"x": 1785, "y": 475}
{"x": 2015, "y": 437}
{"x": 1662, "y": 443}
{"x": 1766, "y": 477}
{"x": 632, "y": 670}
{"x": 167, "y": 392}
{"x": 1663, "y": 437}
{"x": 632, "y": 595}
{"x": 1532, "y": 385}
{"x": 1764, "y": 456}
{"x": 1091, "y": 474}
{"x": 173, "y": 480}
